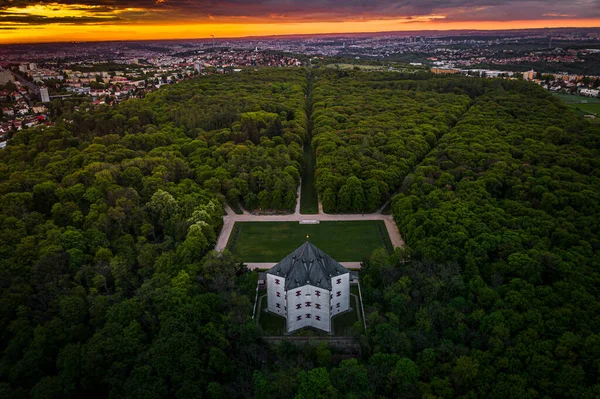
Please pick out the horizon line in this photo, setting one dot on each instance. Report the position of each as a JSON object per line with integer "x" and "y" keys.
{"x": 283, "y": 36}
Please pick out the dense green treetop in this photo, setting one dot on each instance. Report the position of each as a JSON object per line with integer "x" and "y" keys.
{"x": 109, "y": 287}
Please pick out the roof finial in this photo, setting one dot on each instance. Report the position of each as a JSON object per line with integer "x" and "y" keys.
{"x": 307, "y": 237}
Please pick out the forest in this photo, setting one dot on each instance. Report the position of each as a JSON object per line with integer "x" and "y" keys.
{"x": 109, "y": 287}
{"x": 368, "y": 134}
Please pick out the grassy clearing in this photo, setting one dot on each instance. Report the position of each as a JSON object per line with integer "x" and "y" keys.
{"x": 308, "y": 199}
{"x": 343, "y": 325}
{"x": 271, "y": 324}
{"x": 272, "y": 241}
{"x": 575, "y": 99}
{"x": 582, "y": 105}
{"x": 593, "y": 109}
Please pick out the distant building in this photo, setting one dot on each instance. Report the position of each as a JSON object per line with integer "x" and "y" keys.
{"x": 5, "y": 77}
{"x": 44, "y": 95}
{"x": 23, "y": 68}
{"x": 39, "y": 109}
{"x": 308, "y": 288}
{"x": 589, "y": 92}
{"x": 439, "y": 71}
{"x": 529, "y": 75}
{"x": 198, "y": 67}
{"x": 32, "y": 66}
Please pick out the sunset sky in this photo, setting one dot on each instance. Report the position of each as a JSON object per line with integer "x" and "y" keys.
{"x": 85, "y": 20}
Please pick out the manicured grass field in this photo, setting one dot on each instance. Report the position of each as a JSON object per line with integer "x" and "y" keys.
{"x": 308, "y": 199}
{"x": 272, "y": 241}
{"x": 575, "y": 99}
{"x": 581, "y": 104}
{"x": 587, "y": 108}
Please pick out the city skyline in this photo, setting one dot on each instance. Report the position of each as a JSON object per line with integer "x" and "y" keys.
{"x": 97, "y": 20}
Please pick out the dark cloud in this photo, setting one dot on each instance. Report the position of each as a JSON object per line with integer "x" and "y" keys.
{"x": 320, "y": 10}
{"x": 41, "y": 20}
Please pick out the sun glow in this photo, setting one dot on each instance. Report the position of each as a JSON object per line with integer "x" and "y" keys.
{"x": 55, "y": 10}
{"x": 80, "y": 22}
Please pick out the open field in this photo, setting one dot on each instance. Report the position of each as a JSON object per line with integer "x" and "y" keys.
{"x": 586, "y": 108}
{"x": 574, "y": 99}
{"x": 581, "y": 104}
{"x": 272, "y": 241}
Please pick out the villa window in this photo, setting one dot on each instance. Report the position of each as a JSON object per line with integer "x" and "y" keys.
{"x": 318, "y": 318}
{"x": 338, "y": 281}
{"x": 277, "y": 281}
{"x": 308, "y": 315}
{"x": 298, "y": 318}
{"x": 279, "y": 295}
{"x": 337, "y": 305}
{"x": 278, "y": 305}
{"x": 298, "y": 293}
{"x": 298, "y": 306}
{"x": 308, "y": 304}
{"x": 318, "y": 305}
{"x": 339, "y": 293}
{"x": 318, "y": 293}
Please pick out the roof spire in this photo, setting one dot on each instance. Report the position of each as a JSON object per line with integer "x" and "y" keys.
{"x": 307, "y": 237}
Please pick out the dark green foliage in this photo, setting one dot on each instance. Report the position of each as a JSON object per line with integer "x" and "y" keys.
{"x": 499, "y": 294}
{"x": 107, "y": 285}
{"x": 108, "y": 288}
{"x": 368, "y": 135}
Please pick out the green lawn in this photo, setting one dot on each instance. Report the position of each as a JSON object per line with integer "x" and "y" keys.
{"x": 586, "y": 108}
{"x": 271, "y": 324}
{"x": 575, "y": 99}
{"x": 343, "y": 325}
{"x": 272, "y": 241}
{"x": 308, "y": 198}
{"x": 581, "y": 104}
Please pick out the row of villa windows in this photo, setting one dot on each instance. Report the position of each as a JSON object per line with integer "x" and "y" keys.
{"x": 308, "y": 305}
{"x": 308, "y": 316}
{"x": 317, "y": 293}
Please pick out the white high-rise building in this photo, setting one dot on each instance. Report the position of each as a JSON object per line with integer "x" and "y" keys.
{"x": 32, "y": 66}
{"x": 44, "y": 94}
{"x": 198, "y": 67}
{"x": 308, "y": 288}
